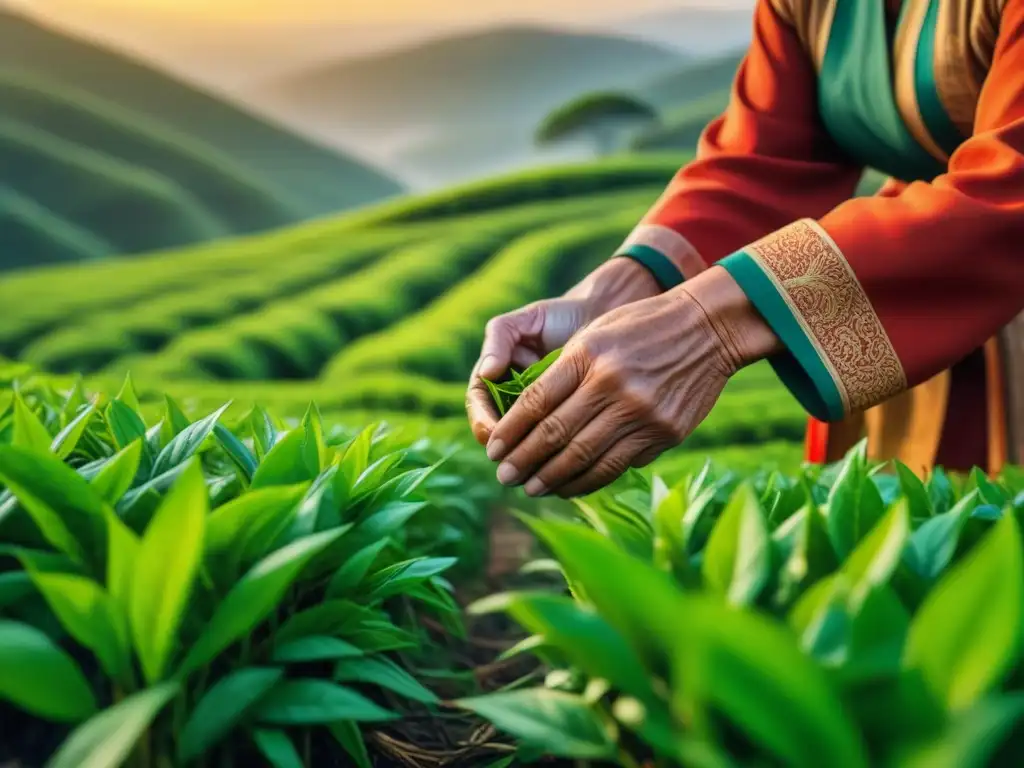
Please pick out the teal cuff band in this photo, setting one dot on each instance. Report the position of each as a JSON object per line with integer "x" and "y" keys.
{"x": 800, "y": 367}
{"x": 665, "y": 273}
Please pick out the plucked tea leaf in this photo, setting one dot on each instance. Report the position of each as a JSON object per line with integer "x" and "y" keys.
{"x": 560, "y": 724}
{"x": 106, "y": 740}
{"x": 737, "y": 560}
{"x": 255, "y": 595}
{"x": 37, "y": 676}
{"x": 981, "y": 597}
{"x": 165, "y": 567}
{"x": 277, "y": 748}
{"x": 317, "y": 702}
{"x": 223, "y": 707}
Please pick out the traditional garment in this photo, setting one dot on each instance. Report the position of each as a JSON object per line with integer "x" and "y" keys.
{"x": 893, "y": 308}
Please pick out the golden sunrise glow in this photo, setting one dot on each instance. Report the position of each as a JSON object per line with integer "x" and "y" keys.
{"x": 374, "y": 11}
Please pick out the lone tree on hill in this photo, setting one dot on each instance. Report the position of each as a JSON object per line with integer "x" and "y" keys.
{"x": 604, "y": 117}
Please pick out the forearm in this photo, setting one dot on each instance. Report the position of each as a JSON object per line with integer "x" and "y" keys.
{"x": 615, "y": 283}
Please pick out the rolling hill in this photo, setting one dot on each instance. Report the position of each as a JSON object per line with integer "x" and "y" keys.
{"x": 464, "y": 104}
{"x": 320, "y": 180}
{"x": 375, "y": 314}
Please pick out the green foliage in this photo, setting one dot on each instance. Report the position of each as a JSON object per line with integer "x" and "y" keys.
{"x": 188, "y": 565}
{"x": 776, "y": 619}
{"x": 505, "y": 393}
{"x": 602, "y": 115}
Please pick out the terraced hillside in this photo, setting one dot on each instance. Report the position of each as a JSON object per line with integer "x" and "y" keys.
{"x": 101, "y": 155}
{"x": 375, "y": 314}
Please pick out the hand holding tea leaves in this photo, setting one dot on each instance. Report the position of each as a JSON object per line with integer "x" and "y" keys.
{"x": 525, "y": 336}
{"x": 632, "y": 384}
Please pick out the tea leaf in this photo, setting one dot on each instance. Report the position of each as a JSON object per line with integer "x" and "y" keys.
{"x": 854, "y": 504}
{"x": 351, "y": 574}
{"x": 932, "y": 546}
{"x": 165, "y": 567}
{"x": 125, "y": 425}
{"x": 596, "y": 648}
{"x": 560, "y": 724}
{"x": 285, "y": 464}
{"x": 918, "y": 501}
{"x": 255, "y": 595}
{"x": 737, "y": 561}
{"x": 277, "y": 748}
{"x": 223, "y": 707}
{"x": 876, "y": 556}
{"x": 67, "y": 439}
{"x": 29, "y": 431}
{"x": 973, "y": 737}
{"x": 127, "y": 394}
{"x": 383, "y": 674}
{"x": 187, "y": 442}
{"x": 118, "y": 473}
{"x": 63, "y": 506}
{"x": 981, "y": 597}
{"x": 317, "y": 702}
{"x": 314, "y": 648}
{"x": 240, "y": 456}
{"x": 347, "y": 734}
{"x": 37, "y": 676}
{"x": 106, "y": 740}
{"x": 90, "y": 616}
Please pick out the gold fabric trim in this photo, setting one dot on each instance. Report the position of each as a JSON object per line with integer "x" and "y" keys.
{"x": 835, "y": 313}
{"x": 812, "y": 20}
{"x": 965, "y": 39}
{"x": 905, "y": 58}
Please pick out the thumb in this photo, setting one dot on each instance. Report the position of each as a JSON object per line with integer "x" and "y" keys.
{"x": 501, "y": 337}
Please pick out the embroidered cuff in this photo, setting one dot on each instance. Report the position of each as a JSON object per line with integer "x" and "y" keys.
{"x": 838, "y": 356}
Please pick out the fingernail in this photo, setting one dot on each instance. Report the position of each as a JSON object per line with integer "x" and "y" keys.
{"x": 495, "y": 450}
{"x": 486, "y": 365}
{"x": 507, "y": 474}
{"x": 535, "y": 487}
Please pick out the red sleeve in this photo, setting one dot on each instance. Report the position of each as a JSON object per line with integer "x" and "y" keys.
{"x": 883, "y": 293}
{"x": 765, "y": 162}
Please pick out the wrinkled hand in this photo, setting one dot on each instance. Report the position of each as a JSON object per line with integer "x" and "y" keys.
{"x": 632, "y": 384}
{"x": 523, "y": 337}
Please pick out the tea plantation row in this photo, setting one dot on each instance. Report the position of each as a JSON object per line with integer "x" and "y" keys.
{"x": 192, "y": 588}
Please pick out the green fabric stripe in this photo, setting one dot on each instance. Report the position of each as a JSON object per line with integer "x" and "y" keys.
{"x": 665, "y": 272}
{"x": 934, "y": 114}
{"x": 856, "y": 97}
{"x": 800, "y": 367}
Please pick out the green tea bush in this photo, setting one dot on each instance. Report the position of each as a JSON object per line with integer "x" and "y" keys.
{"x": 848, "y": 616}
{"x": 104, "y": 336}
{"x": 178, "y": 591}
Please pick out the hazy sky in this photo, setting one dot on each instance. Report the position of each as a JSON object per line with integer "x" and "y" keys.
{"x": 382, "y": 10}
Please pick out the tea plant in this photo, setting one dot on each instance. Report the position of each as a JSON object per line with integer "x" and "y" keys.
{"x": 177, "y": 590}
{"x": 507, "y": 392}
{"x": 851, "y": 616}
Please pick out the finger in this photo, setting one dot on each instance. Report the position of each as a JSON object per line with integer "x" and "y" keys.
{"x": 610, "y": 466}
{"x": 647, "y": 457}
{"x": 584, "y": 411}
{"x": 480, "y": 408}
{"x": 592, "y": 441}
{"x": 524, "y": 357}
{"x": 501, "y": 337}
{"x": 536, "y": 403}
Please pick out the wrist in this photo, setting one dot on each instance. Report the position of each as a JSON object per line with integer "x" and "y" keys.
{"x": 617, "y": 282}
{"x": 745, "y": 336}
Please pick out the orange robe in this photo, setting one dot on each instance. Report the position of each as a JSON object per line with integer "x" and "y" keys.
{"x": 885, "y": 303}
